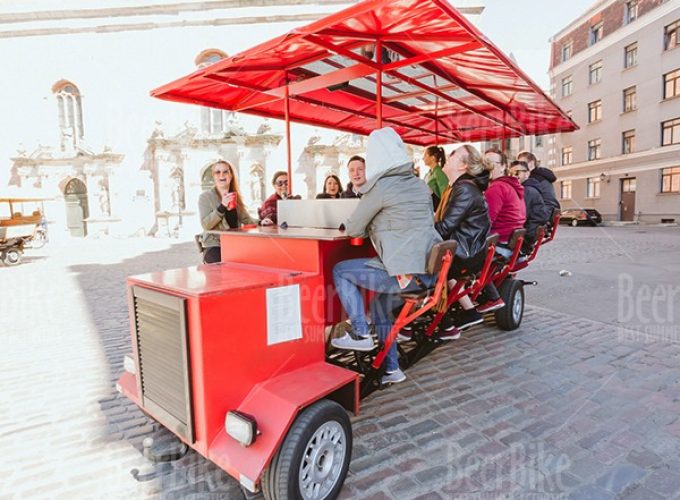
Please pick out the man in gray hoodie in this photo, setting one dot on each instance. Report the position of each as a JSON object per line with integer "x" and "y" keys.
{"x": 395, "y": 211}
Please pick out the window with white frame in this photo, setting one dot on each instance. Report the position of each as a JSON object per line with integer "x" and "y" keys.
{"x": 671, "y": 37}
{"x": 595, "y": 72}
{"x": 670, "y": 132}
{"x": 595, "y": 111}
{"x": 630, "y": 99}
{"x": 565, "y": 190}
{"x": 630, "y": 53}
{"x": 566, "y": 51}
{"x": 671, "y": 84}
{"x": 567, "y": 86}
{"x": 630, "y": 11}
{"x": 212, "y": 120}
{"x": 593, "y": 187}
{"x": 70, "y": 109}
{"x": 596, "y": 32}
{"x": 594, "y": 149}
{"x": 567, "y": 155}
{"x": 628, "y": 142}
{"x": 538, "y": 141}
{"x": 670, "y": 180}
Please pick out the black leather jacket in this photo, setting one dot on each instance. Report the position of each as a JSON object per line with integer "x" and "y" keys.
{"x": 466, "y": 219}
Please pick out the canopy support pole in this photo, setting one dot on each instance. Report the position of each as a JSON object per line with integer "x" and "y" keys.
{"x": 378, "y": 84}
{"x": 503, "y": 135}
{"x": 436, "y": 115}
{"x": 286, "y": 110}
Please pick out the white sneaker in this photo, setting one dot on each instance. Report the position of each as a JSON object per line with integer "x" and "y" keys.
{"x": 393, "y": 378}
{"x": 353, "y": 342}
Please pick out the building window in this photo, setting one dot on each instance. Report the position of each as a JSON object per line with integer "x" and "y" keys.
{"x": 630, "y": 13}
{"x": 629, "y": 185}
{"x": 567, "y": 155}
{"x": 670, "y": 180}
{"x": 566, "y": 50}
{"x": 208, "y": 57}
{"x": 671, "y": 84}
{"x": 628, "y": 142}
{"x": 70, "y": 109}
{"x": 629, "y": 99}
{"x": 593, "y": 187}
{"x": 671, "y": 35}
{"x": 594, "y": 149}
{"x": 538, "y": 141}
{"x": 567, "y": 86}
{"x": 670, "y": 132}
{"x": 596, "y": 33}
{"x": 212, "y": 120}
{"x": 595, "y": 111}
{"x": 565, "y": 190}
{"x": 630, "y": 53}
{"x": 595, "y": 73}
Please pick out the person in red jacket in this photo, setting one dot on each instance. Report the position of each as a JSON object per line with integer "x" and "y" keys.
{"x": 507, "y": 212}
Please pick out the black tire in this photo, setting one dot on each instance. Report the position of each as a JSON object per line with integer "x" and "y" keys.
{"x": 510, "y": 317}
{"x": 311, "y": 438}
{"x": 11, "y": 257}
{"x": 574, "y": 223}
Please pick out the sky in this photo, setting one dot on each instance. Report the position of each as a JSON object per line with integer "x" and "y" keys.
{"x": 523, "y": 28}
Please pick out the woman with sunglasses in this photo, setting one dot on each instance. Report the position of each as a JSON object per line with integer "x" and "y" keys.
{"x": 267, "y": 212}
{"x": 221, "y": 208}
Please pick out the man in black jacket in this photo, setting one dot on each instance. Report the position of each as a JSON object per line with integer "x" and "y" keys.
{"x": 541, "y": 179}
{"x": 537, "y": 213}
{"x": 357, "y": 177}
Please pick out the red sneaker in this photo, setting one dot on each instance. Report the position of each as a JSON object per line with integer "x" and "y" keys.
{"x": 492, "y": 305}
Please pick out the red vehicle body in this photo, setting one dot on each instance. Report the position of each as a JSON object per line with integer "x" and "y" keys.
{"x": 213, "y": 360}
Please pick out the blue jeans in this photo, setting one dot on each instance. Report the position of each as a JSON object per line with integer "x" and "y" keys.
{"x": 350, "y": 275}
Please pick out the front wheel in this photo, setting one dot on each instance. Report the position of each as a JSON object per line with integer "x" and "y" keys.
{"x": 574, "y": 223}
{"x": 11, "y": 257}
{"x": 510, "y": 316}
{"x": 314, "y": 458}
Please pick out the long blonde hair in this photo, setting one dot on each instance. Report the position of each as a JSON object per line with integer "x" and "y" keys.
{"x": 233, "y": 185}
{"x": 475, "y": 163}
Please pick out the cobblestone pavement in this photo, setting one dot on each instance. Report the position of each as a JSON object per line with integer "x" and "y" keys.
{"x": 563, "y": 407}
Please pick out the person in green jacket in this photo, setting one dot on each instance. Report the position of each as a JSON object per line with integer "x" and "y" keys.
{"x": 435, "y": 159}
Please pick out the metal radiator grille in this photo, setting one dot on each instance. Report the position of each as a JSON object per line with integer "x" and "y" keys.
{"x": 162, "y": 347}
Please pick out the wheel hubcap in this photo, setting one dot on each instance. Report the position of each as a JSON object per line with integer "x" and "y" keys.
{"x": 13, "y": 257}
{"x": 322, "y": 461}
{"x": 517, "y": 304}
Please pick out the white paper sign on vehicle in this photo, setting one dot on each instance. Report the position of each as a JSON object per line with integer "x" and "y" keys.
{"x": 284, "y": 318}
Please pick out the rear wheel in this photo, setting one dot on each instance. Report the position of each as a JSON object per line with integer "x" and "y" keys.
{"x": 574, "y": 223}
{"x": 510, "y": 316}
{"x": 314, "y": 458}
{"x": 11, "y": 257}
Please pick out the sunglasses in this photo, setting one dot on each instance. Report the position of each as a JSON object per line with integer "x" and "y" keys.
{"x": 281, "y": 183}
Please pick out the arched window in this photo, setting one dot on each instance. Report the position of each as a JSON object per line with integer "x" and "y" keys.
{"x": 212, "y": 120}
{"x": 69, "y": 106}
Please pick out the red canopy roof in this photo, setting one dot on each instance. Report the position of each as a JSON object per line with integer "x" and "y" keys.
{"x": 440, "y": 76}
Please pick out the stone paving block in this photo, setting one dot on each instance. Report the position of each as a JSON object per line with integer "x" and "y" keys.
{"x": 664, "y": 482}
{"x": 620, "y": 478}
{"x": 640, "y": 493}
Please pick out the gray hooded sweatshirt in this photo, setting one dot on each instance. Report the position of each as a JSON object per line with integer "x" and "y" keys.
{"x": 395, "y": 210}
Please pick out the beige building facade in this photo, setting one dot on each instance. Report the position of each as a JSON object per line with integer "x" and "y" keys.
{"x": 616, "y": 71}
